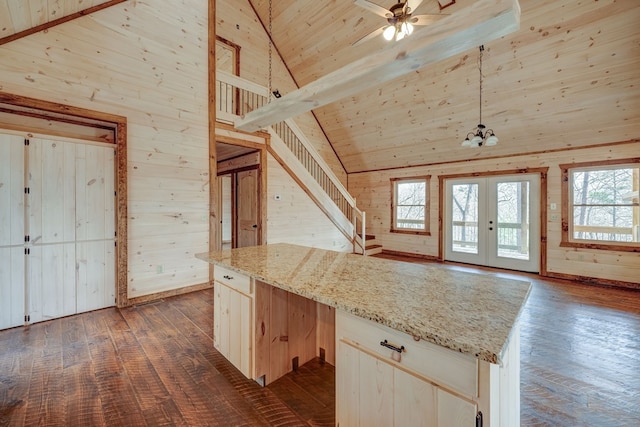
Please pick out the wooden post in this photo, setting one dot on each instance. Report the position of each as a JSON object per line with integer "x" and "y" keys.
{"x": 214, "y": 220}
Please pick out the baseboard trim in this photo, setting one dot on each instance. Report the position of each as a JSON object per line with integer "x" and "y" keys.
{"x": 594, "y": 281}
{"x": 411, "y": 255}
{"x": 166, "y": 294}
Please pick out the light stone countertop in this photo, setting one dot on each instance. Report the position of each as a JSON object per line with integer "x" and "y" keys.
{"x": 465, "y": 312}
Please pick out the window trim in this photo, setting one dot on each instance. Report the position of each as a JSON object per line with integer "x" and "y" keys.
{"x": 567, "y": 208}
{"x": 427, "y": 216}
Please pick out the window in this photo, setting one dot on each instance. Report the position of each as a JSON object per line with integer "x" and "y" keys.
{"x": 600, "y": 205}
{"x": 410, "y": 205}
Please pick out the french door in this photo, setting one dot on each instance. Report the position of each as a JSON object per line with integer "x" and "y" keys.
{"x": 494, "y": 221}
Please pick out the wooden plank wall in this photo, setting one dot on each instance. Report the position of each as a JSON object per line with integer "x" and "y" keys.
{"x": 295, "y": 218}
{"x": 148, "y": 62}
{"x": 372, "y": 190}
{"x": 238, "y": 23}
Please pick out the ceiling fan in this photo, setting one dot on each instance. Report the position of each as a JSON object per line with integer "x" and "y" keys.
{"x": 400, "y": 19}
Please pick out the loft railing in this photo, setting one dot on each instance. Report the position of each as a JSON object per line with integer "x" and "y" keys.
{"x": 236, "y": 96}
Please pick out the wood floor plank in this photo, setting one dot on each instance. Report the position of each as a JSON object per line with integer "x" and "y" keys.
{"x": 46, "y": 404}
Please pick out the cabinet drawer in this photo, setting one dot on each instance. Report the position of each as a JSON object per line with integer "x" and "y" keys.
{"x": 233, "y": 279}
{"x": 440, "y": 365}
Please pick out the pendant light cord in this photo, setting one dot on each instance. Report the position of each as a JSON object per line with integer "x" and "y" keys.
{"x": 270, "y": 47}
{"x": 480, "y": 70}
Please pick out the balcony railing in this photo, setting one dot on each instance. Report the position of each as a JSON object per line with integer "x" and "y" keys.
{"x": 236, "y": 96}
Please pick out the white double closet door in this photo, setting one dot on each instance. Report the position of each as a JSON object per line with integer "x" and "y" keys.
{"x": 57, "y": 228}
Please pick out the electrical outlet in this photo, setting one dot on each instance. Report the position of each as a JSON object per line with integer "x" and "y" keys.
{"x": 159, "y": 269}
{"x": 553, "y": 206}
{"x": 554, "y": 217}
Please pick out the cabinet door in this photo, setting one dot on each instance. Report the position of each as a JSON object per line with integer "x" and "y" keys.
{"x": 414, "y": 401}
{"x": 376, "y": 391}
{"x": 232, "y": 330}
{"x": 347, "y": 385}
{"x": 364, "y": 385}
{"x": 454, "y": 411}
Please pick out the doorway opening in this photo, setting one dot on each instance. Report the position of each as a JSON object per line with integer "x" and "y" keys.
{"x": 241, "y": 184}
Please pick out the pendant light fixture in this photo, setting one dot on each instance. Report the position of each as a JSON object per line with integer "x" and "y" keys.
{"x": 480, "y": 137}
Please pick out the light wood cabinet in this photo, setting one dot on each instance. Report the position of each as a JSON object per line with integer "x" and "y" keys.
{"x": 233, "y": 319}
{"x": 265, "y": 331}
{"x": 375, "y": 388}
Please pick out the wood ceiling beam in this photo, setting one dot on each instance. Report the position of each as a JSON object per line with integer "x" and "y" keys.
{"x": 482, "y": 22}
{"x": 61, "y": 20}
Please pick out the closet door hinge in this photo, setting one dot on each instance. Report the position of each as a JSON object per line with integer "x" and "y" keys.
{"x": 26, "y": 141}
{"x": 27, "y": 318}
{"x": 27, "y": 238}
{"x": 27, "y": 190}
{"x": 27, "y": 251}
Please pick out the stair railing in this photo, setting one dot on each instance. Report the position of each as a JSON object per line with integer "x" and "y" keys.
{"x": 236, "y": 96}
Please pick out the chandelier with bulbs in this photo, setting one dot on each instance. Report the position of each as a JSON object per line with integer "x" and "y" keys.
{"x": 399, "y": 25}
{"x": 480, "y": 136}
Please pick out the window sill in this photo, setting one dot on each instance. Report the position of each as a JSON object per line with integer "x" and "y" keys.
{"x": 615, "y": 246}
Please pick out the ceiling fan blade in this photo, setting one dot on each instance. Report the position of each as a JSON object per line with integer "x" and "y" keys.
{"x": 413, "y": 5}
{"x": 370, "y": 36}
{"x": 372, "y": 7}
{"x": 426, "y": 19}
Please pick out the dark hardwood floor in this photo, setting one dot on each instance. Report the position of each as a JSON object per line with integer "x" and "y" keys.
{"x": 155, "y": 365}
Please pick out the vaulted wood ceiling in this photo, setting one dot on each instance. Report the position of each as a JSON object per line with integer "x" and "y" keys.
{"x": 568, "y": 78}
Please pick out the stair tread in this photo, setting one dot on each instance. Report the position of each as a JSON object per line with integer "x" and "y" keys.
{"x": 368, "y": 236}
{"x": 373, "y": 246}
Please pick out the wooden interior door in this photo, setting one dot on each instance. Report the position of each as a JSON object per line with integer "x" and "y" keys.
{"x": 12, "y": 231}
{"x": 247, "y": 208}
{"x": 51, "y": 229}
{"x": 71, "y": 228}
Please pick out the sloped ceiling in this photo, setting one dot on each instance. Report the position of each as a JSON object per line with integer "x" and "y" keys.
{"x": 568, "y": 78}
{"x": 22, "y": 17}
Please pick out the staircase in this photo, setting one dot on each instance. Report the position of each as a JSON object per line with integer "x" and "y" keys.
{"x": 371, "y": 246}
{"x": 290, "y": 147}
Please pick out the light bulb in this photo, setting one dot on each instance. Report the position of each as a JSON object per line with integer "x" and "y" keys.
{"x": 399, "y": 35}
{"x": 492, "y": 140}
{"x": 389, "y": 32}
{"x": 407, "y": 28}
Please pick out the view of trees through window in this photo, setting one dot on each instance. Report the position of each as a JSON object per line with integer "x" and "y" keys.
{"x": 605, "y": 204}
{"x": 411, "y": 204}
{"x": 512, "y": 227}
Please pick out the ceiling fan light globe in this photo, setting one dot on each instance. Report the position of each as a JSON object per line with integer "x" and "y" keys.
{"x": 399, "y": 35}
{"x": 491, "y": 141}
{"x": 407, "y": 28}
{"x": 389, "y": 32}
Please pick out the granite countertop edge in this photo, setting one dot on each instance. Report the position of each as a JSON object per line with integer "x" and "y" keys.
{"x": 478, "y": 351}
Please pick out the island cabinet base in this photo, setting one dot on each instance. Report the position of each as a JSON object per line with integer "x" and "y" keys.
{"x": 267, "y": 332}
{"x": 386, "y": 378}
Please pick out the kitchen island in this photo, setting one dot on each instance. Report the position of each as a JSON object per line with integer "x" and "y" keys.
{"x": 412, "y": 344}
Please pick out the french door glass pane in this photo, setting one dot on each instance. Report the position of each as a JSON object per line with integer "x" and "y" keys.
{"x": 464, "y": 224}
{"x": 513, "y": 219}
